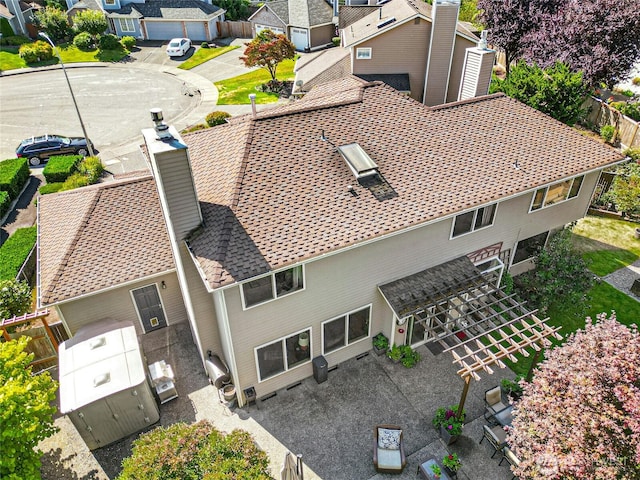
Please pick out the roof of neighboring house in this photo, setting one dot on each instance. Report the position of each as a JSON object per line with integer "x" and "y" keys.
{"x": 349, "y": 14}
{"x": 114, "y": 234}
{"x": 24, "y": 7}
{"x": 321, "y": 67}
{"x": 86, "y": 5}
{"x": 273, "y": 193}
{"x": 402, "y": 11}
{"x": 300, "y": 13}
{"x": 4, "y": 12}
{"x": 170, "y": 10}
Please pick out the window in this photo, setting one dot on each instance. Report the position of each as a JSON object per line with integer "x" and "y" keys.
{"x": 109, "y": 2}
{"x": 345, "y": 330}
{"x": 528, "y": 247}
{"x": 492, "y": 269}
{"x": 474, "y": 220}
{"x": 283, "y": 354}
{"x": 363, "y": 53}
{"x": 272, "y": 286}
{"x": 126, "y": 25}
{"x": 556, "y": 193}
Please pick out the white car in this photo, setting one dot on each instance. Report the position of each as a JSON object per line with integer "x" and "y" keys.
{"x": 178, "y": 47}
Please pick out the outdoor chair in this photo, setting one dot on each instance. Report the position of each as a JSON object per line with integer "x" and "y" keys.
{"x": 497, "y": 437}
{"x": 388, "y": 449}
{"x": 493, "y": 403}
{"x": 510, "y": 457}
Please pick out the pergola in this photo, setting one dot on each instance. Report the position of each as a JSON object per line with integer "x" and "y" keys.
{"x": 467, "y": 314}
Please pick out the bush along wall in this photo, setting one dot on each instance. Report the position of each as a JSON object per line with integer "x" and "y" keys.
{"x": 5, "y": 201}
{"x": 13, "y": 175}
{"x": 15, "y": 251}
{"x": 59, "y": 168}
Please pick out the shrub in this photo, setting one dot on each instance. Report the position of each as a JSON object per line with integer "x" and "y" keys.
{"x": 15, "y": 251}
{"x": 15, "y": 40}
{"x": 59, "y": 168}
{"x": 636, "y": 81}
{"x": 13, "y": 175}
{"x": 92, "y": 168}
{"x": 633, "y": 153}
{"x": 15, "y": 298}
{"x": 5, "y": 28}
{"x": 217, "y": 118}
{"x": 108, "y": 42}
{"x": 76, "y": 180}
{"x": 607, "y": 132}
{"x": 5, "y": 201}
{"x": 190, "y": 452}
{"x": 128, "y": 42}
{"x": 195, "y": 128}
{"x": 204, "y": 45}
{"x": 38, "y": 51}
{"x": 51, "y": 188}
{"x": 336, "y": 41}
{"x": 83, "y": 40}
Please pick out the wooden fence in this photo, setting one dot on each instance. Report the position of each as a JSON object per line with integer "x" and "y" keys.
{"x": 236, "y": 29}
{"x": 600, "y": 114}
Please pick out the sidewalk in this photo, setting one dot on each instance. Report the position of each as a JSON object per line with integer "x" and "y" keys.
{"x": 623, "y": 278}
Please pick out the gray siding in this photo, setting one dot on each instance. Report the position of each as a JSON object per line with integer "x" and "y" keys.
{"x": 268, "y": 18}
{"x": 346, "y": 281}
{"x": 119, "y": 305}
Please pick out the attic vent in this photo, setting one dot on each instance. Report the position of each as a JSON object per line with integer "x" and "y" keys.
{"x": 386, "y": 22}
{"x": 358, "y": 160}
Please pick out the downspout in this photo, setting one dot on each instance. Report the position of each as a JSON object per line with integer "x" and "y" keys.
{"x": 223, "y": 320}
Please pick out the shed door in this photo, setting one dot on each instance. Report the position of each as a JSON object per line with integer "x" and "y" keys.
{"x": 149, "y": 307}
{"x": 164, "y": 30}
{"x": 299, "y": 38}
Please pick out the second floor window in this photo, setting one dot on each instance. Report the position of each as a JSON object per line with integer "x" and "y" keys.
{"x": 556, "y": 193}
{"x": 474, "y": 220}
{"x": 272, "y": 286}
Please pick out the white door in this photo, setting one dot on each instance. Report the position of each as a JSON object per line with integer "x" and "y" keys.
{"x": 196, "y": 31}
{"x": 164, "y": 30}
{"x": 299, "y": 38}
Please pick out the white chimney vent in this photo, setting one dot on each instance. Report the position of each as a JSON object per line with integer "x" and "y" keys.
{"x": 162, "y": 129}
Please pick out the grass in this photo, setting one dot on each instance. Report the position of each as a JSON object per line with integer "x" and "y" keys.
{"x": 236, "y": 90}
{"x": 203, "y": 55}
{"x": 10, "y": 60}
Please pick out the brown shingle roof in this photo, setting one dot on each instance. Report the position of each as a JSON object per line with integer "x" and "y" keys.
{"x": 100, "y": 236}
{"x": 283, "y": 197}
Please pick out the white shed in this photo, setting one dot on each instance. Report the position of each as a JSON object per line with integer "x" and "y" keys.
{"x": 103, "y": 383}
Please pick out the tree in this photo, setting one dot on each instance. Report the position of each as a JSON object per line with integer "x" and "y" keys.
{"x": 625, "y": 191}
{"x": 26, "y": 411}
{"x": 193, "y": 452}
{"x": 560, "y": 275}
{"x": 556, "y": 90}
{"x": 235, "y": 9}
{"x": 579, "y": 418}
{"x": 15, "y": 298}
{"x": 267, "y": 50}
{"x": 54, "y": 22}
{"x": 91, "y": 21}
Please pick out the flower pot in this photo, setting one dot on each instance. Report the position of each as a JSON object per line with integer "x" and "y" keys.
{"x": 446, "y": 437}
{"x": 379, "y": 351}
{"x": 453, "y": 475}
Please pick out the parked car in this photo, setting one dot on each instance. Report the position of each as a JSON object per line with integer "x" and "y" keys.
{"x": 178, "y": 47}
{"x": 38, "y": 149}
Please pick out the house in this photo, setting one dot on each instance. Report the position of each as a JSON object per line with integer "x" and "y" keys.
{"x": 409, "y": 44}
{"x": 291, "y": 236}
{"x": 309, "y": 24}
{"x": 20, "y": 16}
{"x": 158, "y": 19}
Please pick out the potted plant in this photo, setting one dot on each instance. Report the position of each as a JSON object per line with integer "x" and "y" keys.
{"x": 395, "y": 353}
{"x": 437, "y": 471}
{"x": 409, "y": 357}
{"x": 511, "y": 389}
{"x": 451, "y": 465}
{"x": 450, "y": 425}
{"x": 380, "y": 343}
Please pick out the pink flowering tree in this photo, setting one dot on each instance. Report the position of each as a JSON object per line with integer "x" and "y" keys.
{"x": 579, "y": 418}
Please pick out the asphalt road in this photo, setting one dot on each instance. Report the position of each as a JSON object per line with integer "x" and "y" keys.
{"x": 114, "y": 102}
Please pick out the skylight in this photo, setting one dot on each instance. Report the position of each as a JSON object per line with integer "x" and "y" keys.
{"x": 358, "y": 160}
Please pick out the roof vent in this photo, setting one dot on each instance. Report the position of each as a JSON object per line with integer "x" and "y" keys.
{"x": 358, "y": 160}
{"x": 162, "y": 129}
{"x": 386, "y": 22}
{"x": 483, "y": 40}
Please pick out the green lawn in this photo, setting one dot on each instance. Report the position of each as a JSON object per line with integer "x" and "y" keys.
{"x": 203, "y": 55}
{"x": 10, "y": 60}
{"x": 236, "y": 90}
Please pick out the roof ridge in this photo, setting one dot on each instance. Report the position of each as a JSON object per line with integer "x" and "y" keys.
{"x": 482, "y": 98}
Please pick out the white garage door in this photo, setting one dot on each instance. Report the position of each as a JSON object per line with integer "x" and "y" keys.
{"x": 299, "y": 38}
{"x": 196, "y": 31}
{"x": 260, "y": 28}
{"x": 164, "y": 30}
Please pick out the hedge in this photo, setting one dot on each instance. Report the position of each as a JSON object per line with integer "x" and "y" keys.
{"x": 5, "y": 201}
{"x": 51, "y": 188}
{"x": 15, "y": 251}
{"x": 59, "y": 168}
{"x": 13, "y": 175}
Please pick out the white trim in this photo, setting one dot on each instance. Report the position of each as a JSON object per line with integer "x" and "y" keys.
{"x": 364, "y": 51}
{"x": 546, "y": 189}
{"x": 283, "y": 345}
{"x": 274, "y": 294}
{"x": 473, "y": 222}
{"x": 346, "y": 328}
{"x": 135, "y": 305}
{"x": 126, "y": 21}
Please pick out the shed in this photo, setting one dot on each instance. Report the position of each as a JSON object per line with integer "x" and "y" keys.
{"x": 104, "y": 388}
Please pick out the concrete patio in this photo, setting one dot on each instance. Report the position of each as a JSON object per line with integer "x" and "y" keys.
{"x": 329, "y": 424}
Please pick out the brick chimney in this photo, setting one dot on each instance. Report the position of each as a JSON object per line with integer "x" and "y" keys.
{"x": 476, "y": 72}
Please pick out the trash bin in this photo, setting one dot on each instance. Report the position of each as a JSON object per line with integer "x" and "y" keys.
{"x": 320, "y": 369}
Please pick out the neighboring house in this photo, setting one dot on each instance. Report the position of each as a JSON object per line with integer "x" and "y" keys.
{"x": 304, "y": 230}
{"x": 20, "y": 16}
{"x": 309, "y": 24}
{"x": 158, "y": 19}
{"x": 410, "y": 45}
